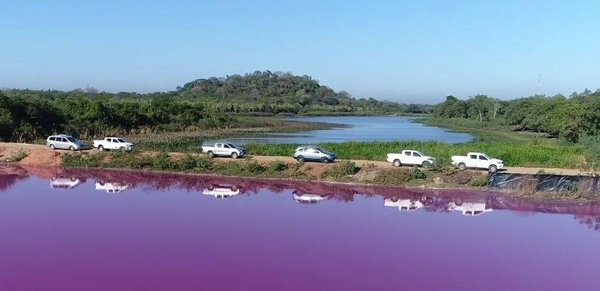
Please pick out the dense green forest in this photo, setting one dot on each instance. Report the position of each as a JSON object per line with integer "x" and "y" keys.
{"x": 27, "y": 115}
{"x": 573, "y": 119}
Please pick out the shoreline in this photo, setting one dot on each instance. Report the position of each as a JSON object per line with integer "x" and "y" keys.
{"x": 128, "y": 176}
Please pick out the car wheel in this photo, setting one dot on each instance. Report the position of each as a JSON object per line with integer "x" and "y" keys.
{"x": 426, "y": 164}
{"x": 462, "y": 166}
{"x": 397, "y": 163}
{"x": 71, "y": 148}
{"x": 458, "y": 202}
{"x": 493, "y": 168}
{"x": 100, "y": 148}
{"x": 300, "y": 159}
{"x": 211, "y": 154}
{"x": 52, "y": 147}
{"x": 324, "y": 160}
{"x": 234, "y": 155}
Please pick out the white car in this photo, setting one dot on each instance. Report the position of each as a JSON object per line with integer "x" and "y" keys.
{"x": 410, "y": 157}
{"x": 113, "y": 143}
{"x": 309, "y": 198}
{"x": 111, "y": 188}
{"x": 403, "y": 204}
{"x": 469, "y": 208}
{"x": 64, "y": 183}
{"x": 225, "y": 149}
{"x": 221, "y": 191}
{"x": 477, "y": 161}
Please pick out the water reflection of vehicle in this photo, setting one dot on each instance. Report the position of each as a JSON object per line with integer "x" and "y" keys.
{"x": 469, "y": 208}
{"x": 111, "y": 188}
{"x": 64, "y": 183}
{"x": 403, "y": 204}
{"x": 221, "y": 191}
{"x": 309, "y": 198}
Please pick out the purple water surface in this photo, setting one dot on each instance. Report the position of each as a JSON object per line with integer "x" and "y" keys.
{"x": 100, "y": 230}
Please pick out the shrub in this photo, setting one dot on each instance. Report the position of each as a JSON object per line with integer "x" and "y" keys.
{"x": 340, "y": 170}
{"x": 204, "y": 163}
{"x": 163, "y": 161}
{"x": 277, "y": 166}
{"x": 397, "y": 176}
{"x": 479, "y": 181}
{"x": 254, "y": 167}
{"x": 416, "y": 173}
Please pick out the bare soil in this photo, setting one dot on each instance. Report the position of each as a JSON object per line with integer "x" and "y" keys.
{"x": 40, "y": 155}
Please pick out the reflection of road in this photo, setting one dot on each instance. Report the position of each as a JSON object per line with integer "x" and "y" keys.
{"x": 403, "y": 204}
{"x": 221, "y": 191}
{"x": 111, "y": 188}
{"x": 308, "y": 198}
{"x": 64, "y": 183}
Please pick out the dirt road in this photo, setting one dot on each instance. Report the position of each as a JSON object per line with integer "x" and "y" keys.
{"x": 40, "y": 155}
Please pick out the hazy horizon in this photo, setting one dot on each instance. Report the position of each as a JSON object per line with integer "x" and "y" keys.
{"x": 404, "y": 52}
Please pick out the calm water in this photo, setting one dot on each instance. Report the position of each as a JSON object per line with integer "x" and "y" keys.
{"x": 362, "y": 129}
{"x": 94, "y": 230}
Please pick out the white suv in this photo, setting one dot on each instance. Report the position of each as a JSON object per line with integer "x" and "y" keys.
{"x": 66, "y": 142}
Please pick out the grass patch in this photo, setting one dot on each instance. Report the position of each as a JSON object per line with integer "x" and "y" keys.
{"x": 340, "y": 170}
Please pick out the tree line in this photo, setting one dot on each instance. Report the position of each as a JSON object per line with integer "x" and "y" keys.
{"x": 27, "y": 115}
{"x": 572, "y": 118}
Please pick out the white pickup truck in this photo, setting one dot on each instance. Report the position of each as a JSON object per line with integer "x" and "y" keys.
{"x": 410, "y": 157}
{"x": 470, "y": 208}
{"x": 113, "y": 143}
{"x": 477, "y": 161}
{"x": 225, "y": 149}
{"x": 111, "y": 188}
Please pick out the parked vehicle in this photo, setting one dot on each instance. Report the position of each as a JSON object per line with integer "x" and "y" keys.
{"x": 308, "y": 198}
{"x": 403, "y": 204}
{"x": 410, "y": 157}
{"x": 477, "y": 161}
{"x": 111, "y": 188}
{"x": 113, "y": 143}
{"x": 221, "y": 191}
{"x": 64, "y": 183}
{"x": 225, "y": 149}
{"x": 65, "y": 142}
{"x": 313, "y": 153}
{"x": 469, "y": 208}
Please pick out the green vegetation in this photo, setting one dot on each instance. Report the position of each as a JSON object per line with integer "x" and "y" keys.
{"x": 340, "y": 170}
{"x": 188, "y": 163}
{"x": 213, "y": 103}
{"x": 530, "y": 154}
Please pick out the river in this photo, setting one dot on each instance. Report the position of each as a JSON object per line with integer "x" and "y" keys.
{"x": 123, "y": 230}
{"x": 358, "y": 128}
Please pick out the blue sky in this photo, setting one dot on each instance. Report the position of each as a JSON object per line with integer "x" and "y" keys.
{"x": 406, "y": 51}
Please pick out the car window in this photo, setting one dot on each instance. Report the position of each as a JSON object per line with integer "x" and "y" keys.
{"x": 226, "y": 146}
{"x": 71, "y": 139}
{"x": 314, "y": 151}
{"x": 415, "y": 154}
{"x": 407, "y": 153}
{"x": 473, "y": 157}
{"x": 219, "y": 145}
{"x": 231, "y": 145}
{"x": 121, "y": 140}
{"x": 63, "y": 139}
{"x": 483, "y": 158}
{"x": 52, "y": 138}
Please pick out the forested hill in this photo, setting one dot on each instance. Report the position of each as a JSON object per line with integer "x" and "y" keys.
{"x": 297, "y": 94}
{"x": 266, "y": 86}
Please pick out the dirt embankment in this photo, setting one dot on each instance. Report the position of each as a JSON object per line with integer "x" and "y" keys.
{"x": 40, "y": 155}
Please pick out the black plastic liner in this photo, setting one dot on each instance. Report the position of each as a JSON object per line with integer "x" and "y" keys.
{"x": 544, "y": 183}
